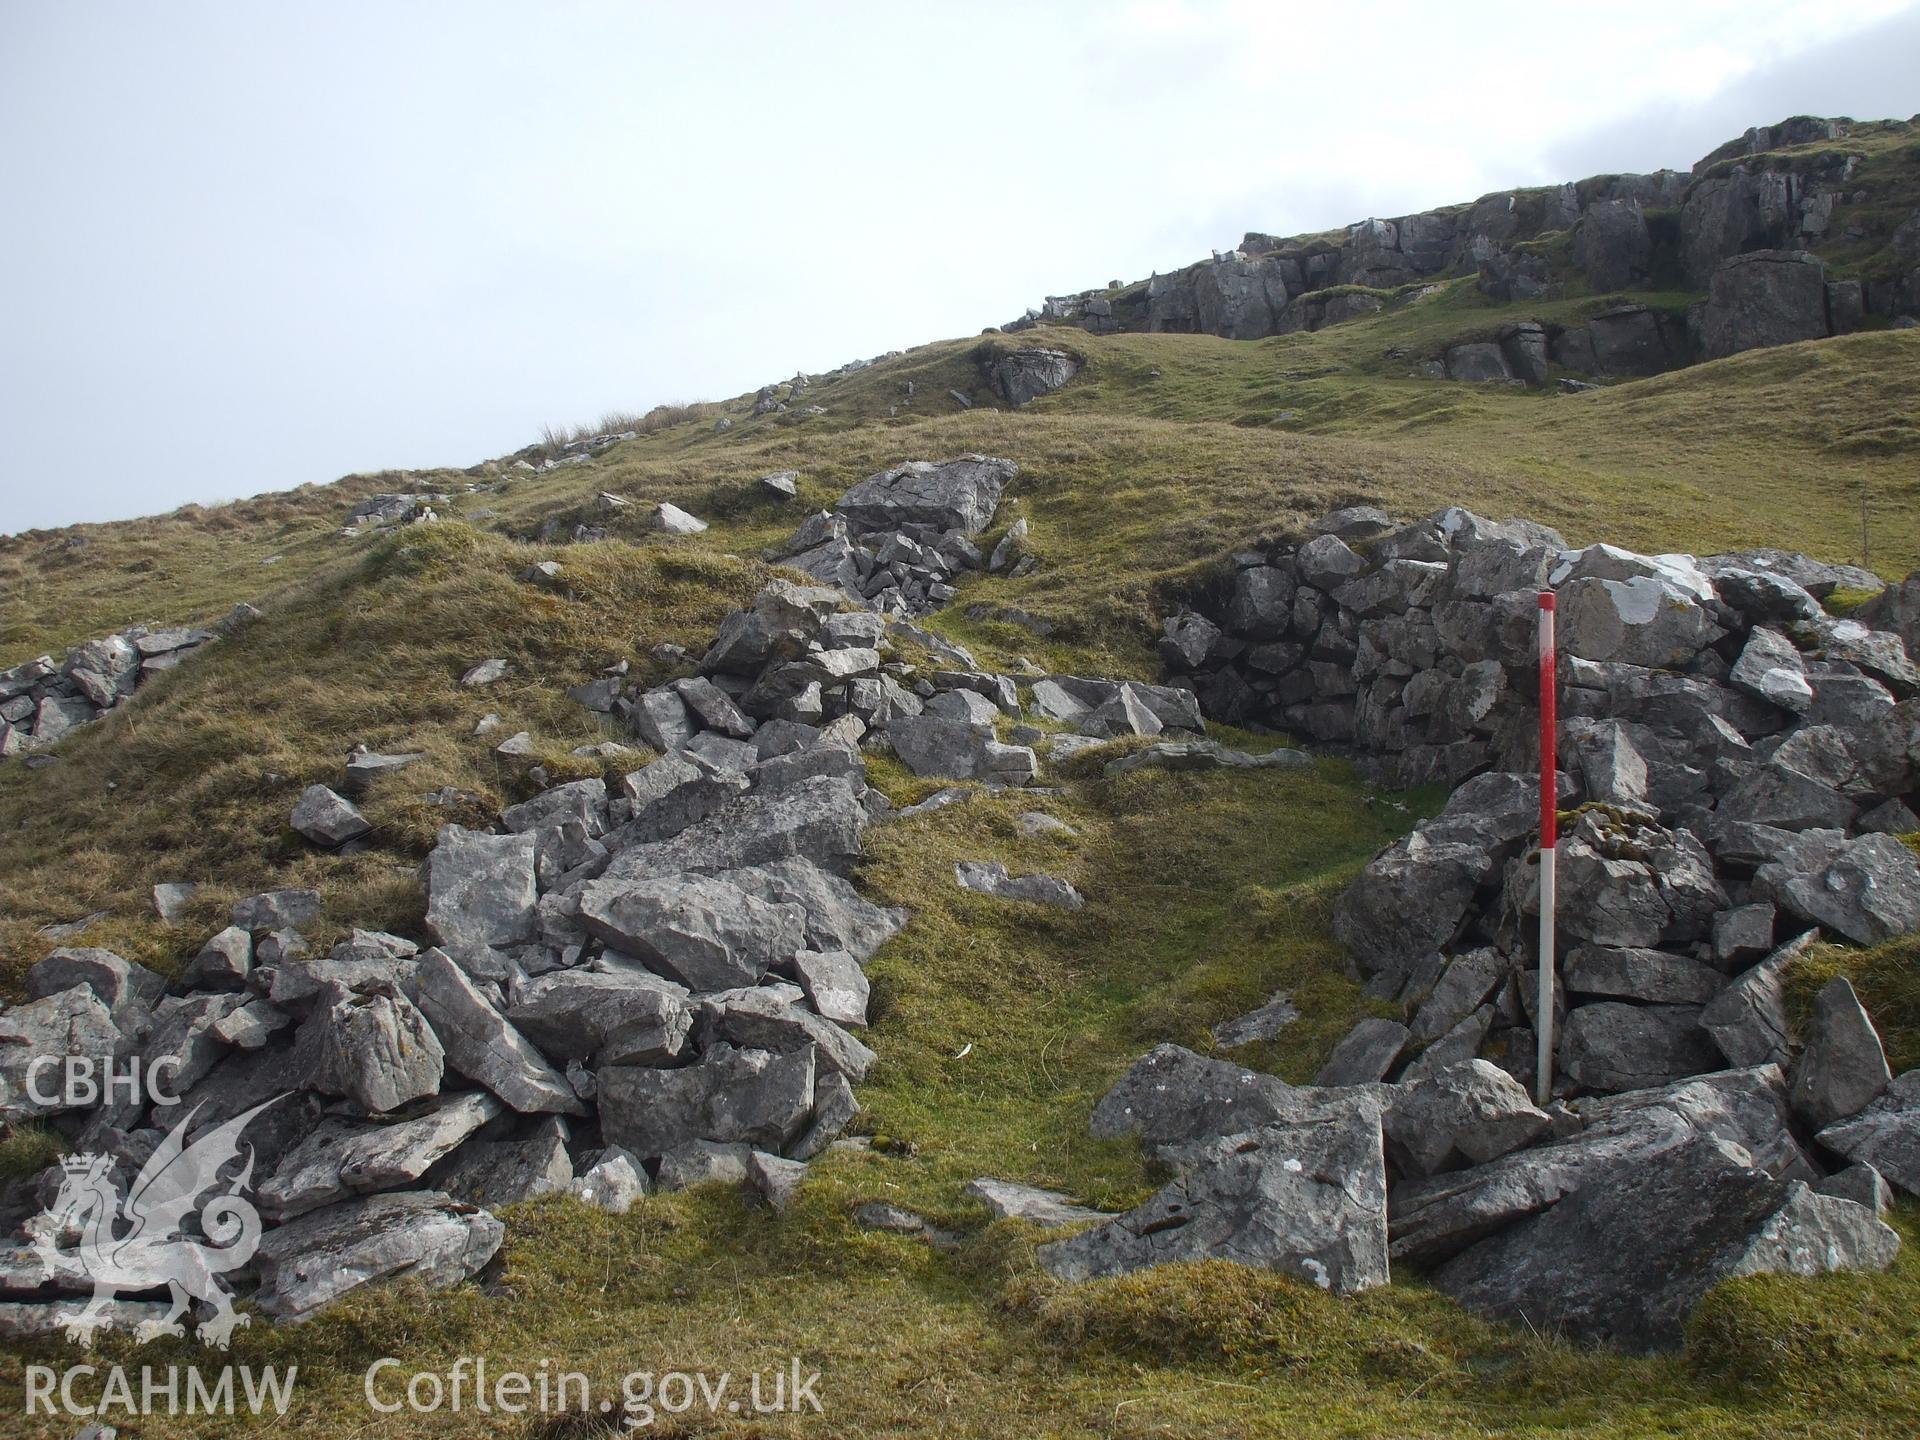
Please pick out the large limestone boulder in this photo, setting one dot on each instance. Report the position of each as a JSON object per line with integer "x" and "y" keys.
{"x": 1436, "y": 1218}
{"x": 1642, "y": 619}
{"x": 839, "y": 918}
{"x": 1770, "y": 668}
{"x": 341, "y": 1156}
{"x": 956, "y": 494}
{"x": 955, "y": 750}
{"x": 126, "y": 988}
{"x": 622, "y": 1017}
{"x": 74, "y": 1024}
{"x": 750, "y": 1097}
{"x": 1260, "y": 606}
{"x": 1747, "y": 1021}
{"x": 1467, "y": 1114}
{"x": 1480, "y": 362}
{"x": 1612, "y": 1046}
{"x": 1626, "y": 1260}
{"x": 1866, "y": 888}
{"x": 1843, "y": 1068}
{"x": 759, "y": 1019}
{"x": 1764, "y": 297}
{"x": 480, "y": 1042}
{"x": 1650, "y": 976}
{"x": 1306, "y": 1199}
{"x": 1365, "y": 1053}
{"x": 819, "y": 820}
{"x": 701, "y": 931}
{"x": 675, "y": 791}
{"x": 480, "y": 889}
{"x": 373, "y": 1046}
{"x": 1026, "y": 375}
{"x": 1626, "y": 882}
{"x": 1897, "y": 608}
{"x": 1408, "y": 902}
{"x": 1885, "y": 1135}
{"x": 1172, "y": 1097}
{"x": 491, "y": 1173}
{"x": 782, "y": 618}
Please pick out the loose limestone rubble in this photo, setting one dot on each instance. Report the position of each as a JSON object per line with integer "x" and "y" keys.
{"x": 624, "y": 987}
{"x": 631, "y": 988}
{"x": 44, "y": 698}
{"x": 798, "y": 664}
{"x": 898, "y": 540}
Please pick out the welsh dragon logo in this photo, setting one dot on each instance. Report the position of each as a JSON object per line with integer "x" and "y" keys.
{"x": 142, "y": 1242}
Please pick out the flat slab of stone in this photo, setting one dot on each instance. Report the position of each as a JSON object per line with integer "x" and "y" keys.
{"x": 958, "y": 494}
{"x": 990, "y": 877}
{"x": 625, "y": 1017}
{"x": 729, "y": 1096}
{"x": 1260, "y": 1024}
{"x": 480, "y": 889}
{"x": 343, "y": 1157}
{"x": 1366, "y": 1054}
{"x": 483, "y": 1044}
{"x": 1010, "y": 1200}
{"x": 422, "y": 1235}
{"x": 492, "y": 1173}
{"x": 701, "y": 931}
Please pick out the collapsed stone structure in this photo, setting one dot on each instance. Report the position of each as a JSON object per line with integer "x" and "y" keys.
{"x": 658, "y": 983}
{"x": 1735, "y": 762}
{"x": 653, "y": 986}
{"x": 43, "y": 699}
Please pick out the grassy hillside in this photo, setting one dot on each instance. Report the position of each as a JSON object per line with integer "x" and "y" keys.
{"x": 1167, "y": 449}
{"x": 1206, "y": 893}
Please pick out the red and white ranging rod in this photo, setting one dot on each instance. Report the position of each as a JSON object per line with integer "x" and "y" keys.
{"x": 1549, "y": 836}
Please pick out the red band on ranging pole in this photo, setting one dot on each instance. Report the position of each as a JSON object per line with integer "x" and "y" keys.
{"x": 1549, "y": 728}
{"x": 1549, "y": 836}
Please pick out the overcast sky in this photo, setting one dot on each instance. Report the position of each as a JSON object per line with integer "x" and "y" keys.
{"x": 250, "y": 245}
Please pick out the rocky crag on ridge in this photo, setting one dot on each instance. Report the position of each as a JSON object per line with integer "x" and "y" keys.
{"x": 1791, "y": 232}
